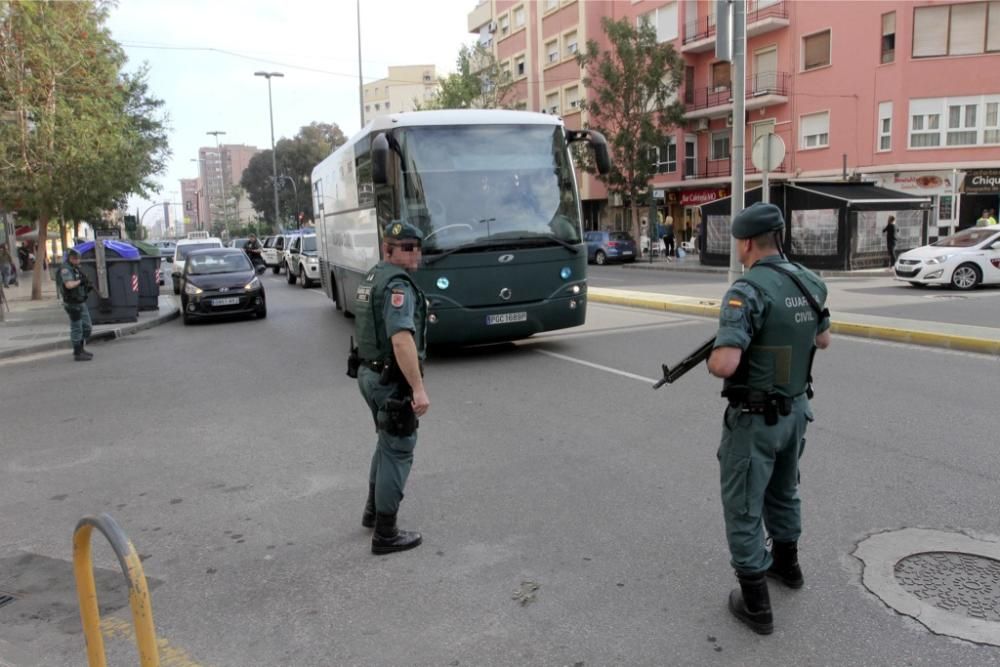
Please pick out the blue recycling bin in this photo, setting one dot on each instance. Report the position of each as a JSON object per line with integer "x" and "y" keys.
{"x": 122, "y": 304}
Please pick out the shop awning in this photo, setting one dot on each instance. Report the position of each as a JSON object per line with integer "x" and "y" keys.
{"x": 859, "y": 193}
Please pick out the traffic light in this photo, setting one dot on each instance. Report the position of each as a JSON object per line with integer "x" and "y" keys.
{"x": 131, "y": 223}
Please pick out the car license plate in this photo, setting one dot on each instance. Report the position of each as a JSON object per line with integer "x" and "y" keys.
{"x": 229, "y": 301}
{"x": 626, "y": 252}
{"x": 506, "y": 318}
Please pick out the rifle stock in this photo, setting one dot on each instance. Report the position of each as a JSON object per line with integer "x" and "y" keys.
{"x": 686, "y": 364}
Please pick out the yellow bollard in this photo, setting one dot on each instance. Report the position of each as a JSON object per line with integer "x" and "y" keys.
{"x": 139, "y": 601}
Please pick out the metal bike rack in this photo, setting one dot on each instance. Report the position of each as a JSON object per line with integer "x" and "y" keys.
{"x": 138, "y": 593}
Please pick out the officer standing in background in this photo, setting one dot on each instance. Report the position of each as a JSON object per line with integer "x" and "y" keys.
{"x": 771, "y": 322}
{"x": 74, "y": 286}
{"x": 391, "y": 326}
{"x": 253, "y": 250}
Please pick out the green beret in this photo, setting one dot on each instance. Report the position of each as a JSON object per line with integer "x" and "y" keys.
{"x": 400, "y": 230}
{"x": 758, "y": 219}
{"x": 73, "y": 252}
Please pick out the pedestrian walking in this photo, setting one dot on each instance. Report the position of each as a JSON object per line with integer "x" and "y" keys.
{"x": 984, "y": 218}
{"x": 8, "y": 270}
{"x": 890, "y": 239}
{"x": 391, "y": 327}
{"x": 73, "y": 287}
{"x": 668, "y": 235}
{"x": 772, "y": 320}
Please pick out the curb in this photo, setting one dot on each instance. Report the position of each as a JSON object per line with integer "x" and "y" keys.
{"x": 107, "y": 334}
{"x": 701, "y": 268}
{"x": 710, "y": 308}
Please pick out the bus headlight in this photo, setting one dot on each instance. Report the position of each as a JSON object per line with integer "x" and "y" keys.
{"x": 432, "y": 318}
{"x": 565, "y": 273}
{"x": 575, "y": 289}
{"x": 443, "y": 283}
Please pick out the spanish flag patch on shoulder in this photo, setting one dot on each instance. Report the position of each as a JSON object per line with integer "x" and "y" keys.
{"x": 735, "y": 303}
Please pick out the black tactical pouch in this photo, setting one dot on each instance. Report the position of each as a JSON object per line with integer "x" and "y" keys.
{"x": 353, "y": 360}
{"x": 402, "y": 421}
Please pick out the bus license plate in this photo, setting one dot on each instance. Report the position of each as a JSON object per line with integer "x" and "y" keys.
{"x": 230, "y": 301}
{"x": 506, "y": 318}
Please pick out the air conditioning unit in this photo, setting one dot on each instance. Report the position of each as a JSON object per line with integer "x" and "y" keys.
{"x": 493, "y": 26}
{"x": 702, "y": 124}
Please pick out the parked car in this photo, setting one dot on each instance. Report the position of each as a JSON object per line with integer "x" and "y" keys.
{"x": 301, "y": 260}
{"x": 604, "y": 247}
{"x": 221, "y": 281}
{"x": 273, "y": 251}
{"x": 237, "y": 243}
{"x": 963, "y": 260}
{"x": 185, "y": 246}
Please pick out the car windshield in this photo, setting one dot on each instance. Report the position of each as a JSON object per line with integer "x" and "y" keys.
{"x": 966, "y": 238}
{"x": 477, "y": 184}
{"x": 199, "y": 265}
{"x": 184, "y": 250}
{"x": 309, "y": 244}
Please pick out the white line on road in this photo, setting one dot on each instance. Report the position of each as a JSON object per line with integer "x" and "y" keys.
{"x": 599, "y": 367}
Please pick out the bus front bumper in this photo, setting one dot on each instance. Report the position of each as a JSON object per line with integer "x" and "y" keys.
{"x": 472, "y": 326}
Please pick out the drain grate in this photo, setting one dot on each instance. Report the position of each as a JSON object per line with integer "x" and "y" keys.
{"x": 6, "y": 599}
{"x": 955, "y": 582}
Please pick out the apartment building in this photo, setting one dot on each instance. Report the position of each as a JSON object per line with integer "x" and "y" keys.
{"x": 217, "y": 188}
{"x": 403, "y": 88}
{"x": 192, "y": 208}
{"x": 894, "y": 92}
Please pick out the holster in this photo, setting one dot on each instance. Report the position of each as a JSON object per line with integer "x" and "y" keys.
{"x": 754, "y": 402}
{"x": 401, "y": 421}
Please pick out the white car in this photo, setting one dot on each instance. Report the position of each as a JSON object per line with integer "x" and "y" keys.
{"x": 184, "y": 246}
{"x": 273, "y": 250}
{"x": 301, "y": 260}
{"x": 963, "y": 260}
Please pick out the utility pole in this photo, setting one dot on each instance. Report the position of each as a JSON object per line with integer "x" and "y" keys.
{"x": 274, "y": 158}
{"x": 730, "y": 44}
{"x": 361, "y": 81}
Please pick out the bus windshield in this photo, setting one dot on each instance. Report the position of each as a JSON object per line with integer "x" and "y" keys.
{"x": 488, "y": 185}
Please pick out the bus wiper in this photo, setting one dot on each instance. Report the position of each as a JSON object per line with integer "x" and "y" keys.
{"x": 468, "y": 246}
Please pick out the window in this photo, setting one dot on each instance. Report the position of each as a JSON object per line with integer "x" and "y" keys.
{"x": 377, "y": 106}
{"x": 925, "y": 123}
{"x": 816, "y": 50}
{"x": 665, "y": 157}
{"x": 688, "y": 85}
{"x": 663, "y": 20}
{"x": 721, "y": 79}
{"x": 720, "y": 145}
{"x": 552, "y": 103}
{"x": 991, "y": 131}
{"x": 814, "y": 130}
{"x": 386, "y": 105}
{"x": 888, "y": 37}
{"x": 519, "y": 18}
{"x": 519, "y": 66}
{"x": 569, "y": 44}
{"x": 956, "y": 30}
{"x": 573, "y": 97}
{"x": 961, "y": 125}
{"x": 552, "y": 51}
{"x": 551, "y": 4}
{"x": 885, "y": 126}
{"x": 690, "y": 157}
{"x": 945, "y": 207}
{"x": 504, "y": 25}
{"x": 368, "y": 107}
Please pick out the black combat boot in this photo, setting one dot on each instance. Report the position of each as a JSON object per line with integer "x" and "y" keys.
{"x": 785, "y": 567}
{"x": 388, "y": 538}
{"x": 368, "y": 518}
{"x": 84, "y": 352}
{"x": 751, "y": 603}
{"x": 78, "y": 353}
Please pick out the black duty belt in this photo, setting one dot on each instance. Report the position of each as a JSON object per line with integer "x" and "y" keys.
{"x": 377, "y": 366}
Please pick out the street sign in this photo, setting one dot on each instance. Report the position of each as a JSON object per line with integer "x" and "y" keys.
{"x": 768, "y": 152}
{"x": 113, "y": 233}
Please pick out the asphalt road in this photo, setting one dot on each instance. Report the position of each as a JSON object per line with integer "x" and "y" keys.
{"x": 548, "y": 462}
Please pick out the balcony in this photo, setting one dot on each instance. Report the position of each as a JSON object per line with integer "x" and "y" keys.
{"x": 762, "y": 16}
{"x": 706, "y": 168}
{"x": 763, "y": 89}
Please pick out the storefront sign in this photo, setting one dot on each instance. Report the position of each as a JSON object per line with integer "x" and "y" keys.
{"x": 982, "y": 181}
{"x": 919, "y": 183}
{"x": 699, "y": 197}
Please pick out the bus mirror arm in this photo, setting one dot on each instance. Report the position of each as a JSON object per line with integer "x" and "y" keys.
{"x": 380, "y": 159}
{"x": 597, "y": 143}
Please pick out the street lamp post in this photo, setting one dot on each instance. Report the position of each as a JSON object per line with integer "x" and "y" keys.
{"x": 274, "y": 158}
{"x": 222, "y": 179}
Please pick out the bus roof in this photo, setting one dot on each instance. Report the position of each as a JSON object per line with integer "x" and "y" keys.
{"x": 460, "y": 117}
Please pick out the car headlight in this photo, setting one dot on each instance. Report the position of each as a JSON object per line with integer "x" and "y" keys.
{"x": 940, "y": 259}
{"x": 192, "y": 289}
{"x": 252, "y": 285}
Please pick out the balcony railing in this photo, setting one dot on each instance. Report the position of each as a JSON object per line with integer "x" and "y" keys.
{"x": 761, "y": 83}
{"x": 706, "y": 168}
{"x": 757, "y": 10}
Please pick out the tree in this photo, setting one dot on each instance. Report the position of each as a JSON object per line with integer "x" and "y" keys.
{"x": 296, "y": 158}
{"x": 480, "y": 82}
{"x": 633, "y": 104}
{"x": 77, "y": 136}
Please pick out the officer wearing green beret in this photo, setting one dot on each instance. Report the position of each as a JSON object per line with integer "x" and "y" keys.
{"x": 73, "y": 286}
{"x": 771, "y": 322}
{"x": 391, "y": 327}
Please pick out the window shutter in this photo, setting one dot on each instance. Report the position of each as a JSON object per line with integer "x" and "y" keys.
{"x": 817, "y": 50}
{"x": 666, "y": 23}
{"x": 993, "y": 28}
{"x": 817, "y": 123}
{"x": 967, "y": 23}
{"x": 930, "y": 31}
{"x": 888, "y": 24}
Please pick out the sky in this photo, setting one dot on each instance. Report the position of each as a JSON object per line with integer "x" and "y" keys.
{"x": 202, "y": 55}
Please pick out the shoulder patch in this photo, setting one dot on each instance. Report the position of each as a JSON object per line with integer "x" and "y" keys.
{"x": 735, "y": 303}
{"x": 398, "y": 298}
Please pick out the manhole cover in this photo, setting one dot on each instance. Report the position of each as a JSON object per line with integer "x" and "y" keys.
{"x": 955, "y": 582}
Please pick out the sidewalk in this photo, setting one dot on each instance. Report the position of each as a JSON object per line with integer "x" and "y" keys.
{"x": 691, "y": 264}
{"x": 37, "y": 326}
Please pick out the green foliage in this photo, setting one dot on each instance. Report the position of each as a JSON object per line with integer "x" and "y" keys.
{"x": 479, "y": 83}
{"x": 633, "y": 100}
{"x": 296, "y": 158}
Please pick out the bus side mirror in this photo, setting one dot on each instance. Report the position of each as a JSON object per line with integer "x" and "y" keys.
{"x": 600, "y": 146}
{"x": 380, "y": 159}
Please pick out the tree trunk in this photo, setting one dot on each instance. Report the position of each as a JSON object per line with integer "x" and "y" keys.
{"x": 42, "y": 227}
{"x": 637, "y": 235}
{"x": 62, "y": 235}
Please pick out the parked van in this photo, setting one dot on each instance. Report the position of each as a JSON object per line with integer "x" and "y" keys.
{"x": 185, "y": 246}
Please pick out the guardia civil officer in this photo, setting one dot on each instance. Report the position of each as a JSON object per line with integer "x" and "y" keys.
{"x": 391, "y": 317}
{"x": 253, "y": 250}
{"x": 772, "y": 320}
{"x": 73, "y": 285}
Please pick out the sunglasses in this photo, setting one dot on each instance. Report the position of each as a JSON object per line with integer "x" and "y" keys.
{"x": 407, "y": 247}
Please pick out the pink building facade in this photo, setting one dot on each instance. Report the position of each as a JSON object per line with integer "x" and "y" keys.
{"x": 905, "y": 94}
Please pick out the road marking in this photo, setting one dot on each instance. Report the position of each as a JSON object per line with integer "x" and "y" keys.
{"x": 170, "y": 656}
{"x": 607, "y": 369}
{"x": 35, "y": 357}
{"x": 557, "y": 335}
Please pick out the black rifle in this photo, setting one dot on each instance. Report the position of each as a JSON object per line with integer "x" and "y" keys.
{"x": 686, "y": 364}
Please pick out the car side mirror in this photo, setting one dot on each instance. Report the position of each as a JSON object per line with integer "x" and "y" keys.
{"x": 261, "y": 269}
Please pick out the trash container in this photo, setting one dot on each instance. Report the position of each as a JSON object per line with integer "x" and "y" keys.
{"x": 149, "y": 275}
{"x": 122, "y": 304}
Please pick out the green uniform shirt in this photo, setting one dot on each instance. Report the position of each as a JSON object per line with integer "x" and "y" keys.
{"x": 68, "y": 273}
